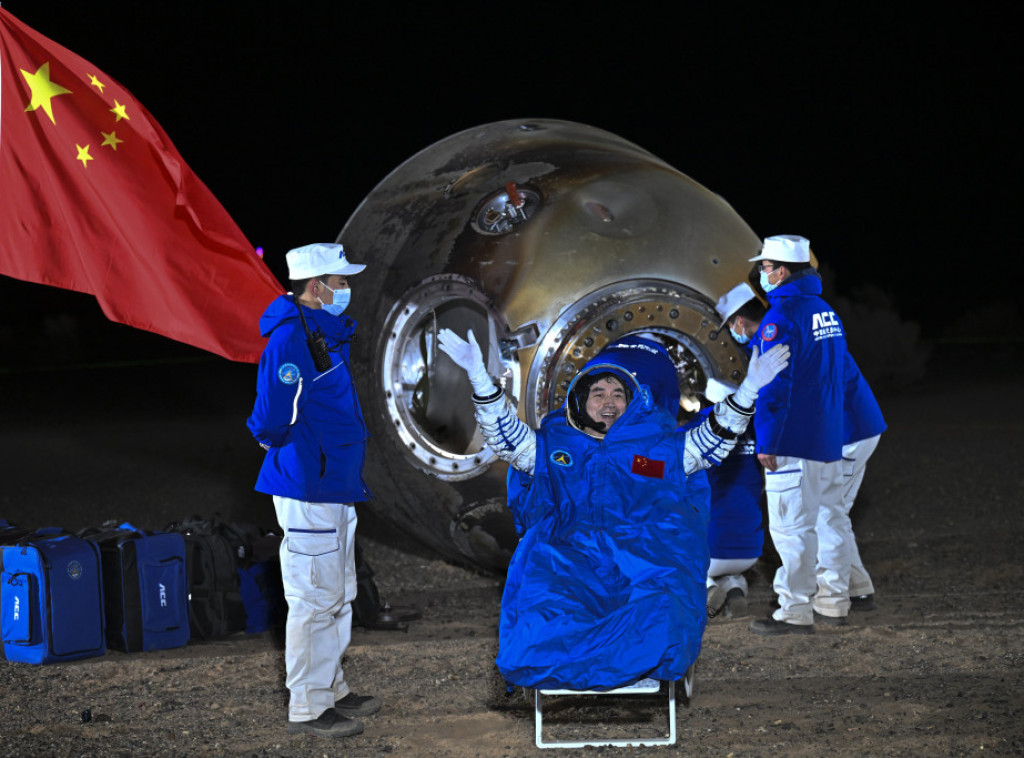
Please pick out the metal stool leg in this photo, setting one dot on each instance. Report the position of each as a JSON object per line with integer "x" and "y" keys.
{"x": 647, "y": 686}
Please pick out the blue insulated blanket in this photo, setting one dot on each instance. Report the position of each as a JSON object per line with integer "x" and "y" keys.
{"x": 607, "y": 584}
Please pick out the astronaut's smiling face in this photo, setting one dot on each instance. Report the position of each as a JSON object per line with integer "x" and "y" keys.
{"x": 606, "y": 401}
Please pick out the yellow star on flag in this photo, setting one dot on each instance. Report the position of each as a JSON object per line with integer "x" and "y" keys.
{"x": 110, "y": 140}
{"x": 43, "y": 90}
{"x": 119, "y": 111}
{"x": 96, "y": 82}
{"x": 83, "y": 155}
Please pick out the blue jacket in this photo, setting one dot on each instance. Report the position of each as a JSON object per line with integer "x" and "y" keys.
{"x": 862, "y": 418}
{"x": 800, "y": 412}
{"x": 310, "y": 420}
{"x": 607, "y": 583}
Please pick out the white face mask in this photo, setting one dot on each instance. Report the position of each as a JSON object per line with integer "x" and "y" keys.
{"x": 342, "y": 297}
{"x": 740, "y": 337}
{"x": 765, "y": 284}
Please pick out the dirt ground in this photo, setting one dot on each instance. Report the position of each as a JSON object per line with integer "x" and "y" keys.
{"x": 936, "y": 670}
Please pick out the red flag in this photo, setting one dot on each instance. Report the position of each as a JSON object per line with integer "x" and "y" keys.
{"x": 648, "y": 467}
{"x": 95, "y": 198}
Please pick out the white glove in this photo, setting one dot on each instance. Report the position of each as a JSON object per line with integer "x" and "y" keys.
{"x": 760, "y": 371}
{"x": 466, "y": 353}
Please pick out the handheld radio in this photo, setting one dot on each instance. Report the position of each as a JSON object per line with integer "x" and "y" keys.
{"x": 316, "y": 343}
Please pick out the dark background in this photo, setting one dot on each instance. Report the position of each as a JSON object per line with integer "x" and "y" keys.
{"x": 881, "y": 132}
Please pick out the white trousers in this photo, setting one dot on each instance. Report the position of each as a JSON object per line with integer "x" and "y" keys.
{"x": 801, "y": 494}
{"x": 319, "y": 575}
{"x": 723, "y": 575}
{"x": 855, "y": 461}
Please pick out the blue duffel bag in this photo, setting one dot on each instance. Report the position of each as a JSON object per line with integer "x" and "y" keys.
{"x": 51, "y": 598}
{"x": 145, "y": 587}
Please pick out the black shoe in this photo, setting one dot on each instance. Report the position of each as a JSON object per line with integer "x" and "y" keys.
{"x": 770, "y": 626}
{"x": 735, "y": 604}
{"x": 830, "y": 620}
{"x": 328, "y": 724}
{"x": 357, "y": 705}
{"x": 862, "y": 602}
{"x": 395, "y": 617}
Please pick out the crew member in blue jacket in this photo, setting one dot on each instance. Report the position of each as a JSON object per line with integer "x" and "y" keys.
{"x": 799, "y": 430}
{"x": 863, "y": 425}
{"x": 607, "y": 584}
{"x": 736, "y": 530}
{"x": 307, "y": 418}
{"x": 741, "y": 314}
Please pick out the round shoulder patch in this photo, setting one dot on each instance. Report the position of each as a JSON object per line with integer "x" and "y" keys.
{"x": 288, "y": 373}
{"x": 769, "y": 332}
{"x": 561, "y": 458}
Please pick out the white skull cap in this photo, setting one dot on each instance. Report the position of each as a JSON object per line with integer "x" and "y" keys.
{"x": 320, "y": 259}
{"x": 733, "y": 300}
{"x": 785, "y": 248}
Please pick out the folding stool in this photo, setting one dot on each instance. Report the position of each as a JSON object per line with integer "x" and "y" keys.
{"x": 643, "y": 687}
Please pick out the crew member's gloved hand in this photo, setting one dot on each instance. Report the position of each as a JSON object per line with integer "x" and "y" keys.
{"x": 466, "y": 353}
{"x": 761, "y": 370}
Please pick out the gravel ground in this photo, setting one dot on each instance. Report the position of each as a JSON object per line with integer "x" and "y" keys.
{"x": 938, "y": 669}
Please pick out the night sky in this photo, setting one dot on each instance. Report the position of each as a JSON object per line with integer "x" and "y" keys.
{"x": 883, "y": 134}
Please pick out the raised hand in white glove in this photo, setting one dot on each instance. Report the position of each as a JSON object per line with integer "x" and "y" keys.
{"x": 466, "y": 353}
{"x": 760, "y": 371}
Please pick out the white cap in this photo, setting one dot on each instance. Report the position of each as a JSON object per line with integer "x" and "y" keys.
{"x": 785, "y": 248}
{"x": 319, "y": 259}
{"x": 733, "y": 300}
{"x": 717, "y": 391}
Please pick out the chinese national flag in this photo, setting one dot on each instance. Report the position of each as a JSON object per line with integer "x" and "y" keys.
{"x": 95, "y": 198}
{"x": 648, "y": 467}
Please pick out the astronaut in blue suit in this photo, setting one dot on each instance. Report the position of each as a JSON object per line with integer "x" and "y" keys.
{"x": 607, "y": 584}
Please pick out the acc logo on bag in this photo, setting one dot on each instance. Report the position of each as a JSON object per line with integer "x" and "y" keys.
{"x": 561, "y": 458}
{"x": 288, "y": 373}
{"x": 74, "y": 569}
{"x": 769, "y": 332}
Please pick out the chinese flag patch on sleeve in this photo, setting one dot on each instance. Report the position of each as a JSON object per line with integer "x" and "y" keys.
{"x": 647, "y": 467}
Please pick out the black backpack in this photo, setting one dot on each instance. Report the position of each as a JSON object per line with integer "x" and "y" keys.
{"x": 369, "y": 609}
{"x": 216, "y": 609}
{"x": 366, "y": 606}
{"x": 257, "y": 551}
{"x": 254, "y": 546}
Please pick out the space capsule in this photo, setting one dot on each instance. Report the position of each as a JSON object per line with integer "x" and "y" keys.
{"x": 548, "y": 239}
